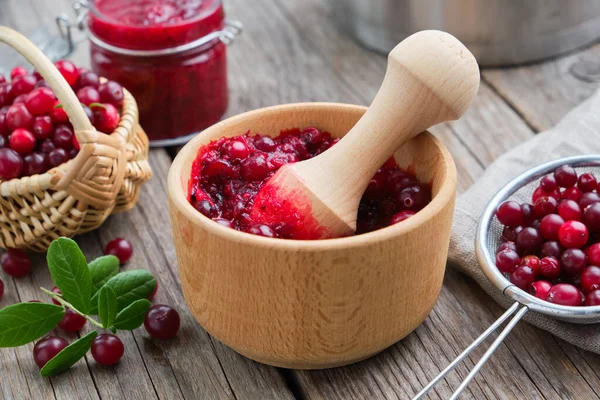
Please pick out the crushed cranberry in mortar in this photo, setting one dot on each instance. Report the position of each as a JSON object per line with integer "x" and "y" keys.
{"x": 556, "y": 254}
{"x": 229, "y": 172}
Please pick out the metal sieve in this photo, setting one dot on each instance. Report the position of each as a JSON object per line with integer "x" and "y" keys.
{"x": 489, "y": 234}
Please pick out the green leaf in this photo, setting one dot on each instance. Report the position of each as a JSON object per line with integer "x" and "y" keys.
{"x": 107, "y": 306}
{"x": 70, "y": 273}
{"x": 25, "y": 322}
{"x": 69, "y": 355}
{"x": 132, "y": 317}
{"x": 129, "y": 286}
{"x": 102, "y": 269}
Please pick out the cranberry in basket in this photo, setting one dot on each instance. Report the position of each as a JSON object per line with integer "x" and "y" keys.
{"x": 171, "y": 55}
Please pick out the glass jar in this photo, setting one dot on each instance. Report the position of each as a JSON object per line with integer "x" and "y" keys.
{"x": 171, "y": 55}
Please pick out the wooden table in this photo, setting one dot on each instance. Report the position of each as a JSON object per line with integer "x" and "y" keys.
{"x": 290, "y": 52}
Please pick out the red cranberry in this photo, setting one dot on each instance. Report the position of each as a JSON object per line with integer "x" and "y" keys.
{"x": 415, "y": 197}
{"x": 507, "y": 260}
{"x": 506, "y": 246}
{"x": 68, "y": 70}
{"x": 591, "y": 217}
{"x": 18, "y": 116}
{"x": 121, "y": 248}
{"x": 545, "y": 205}
{"x": 510, "y": 213}
{"x": 87, "y": 78}
{"x": 63, "y": 136}
{"x": 23, "y": 85}
{"x": 3, "y": 127}
{"x": 255, "y": 168}
{"x": 1, "y": 289}
{"x": 548, "y": 184}
{"x": 592, "y": 298}
{"x": 593, "y": 254}
{"x": 312, "y": 136}
{"x": 573, "y": 234}
{"x": 528, "y": 214}
{"x": 11, "y": 164}
{"x": 403, "y": 215}
{"x": 206, "y": 207}
{"x": 238, "y": 150}
{"x": 47, "y": 146}
{"x": 58, "y": 292}
{"x": 564, "y": 294}
{"x": 57, "y": 157}
{"x": 107, "y": 349}
{"x": 551, "y": 249}
{"x": 18, "y": 71}
{"x": 72, "y": 322}
{"x": 590, "y": 278}
{"x": 587, "y": 199}
{"x": 565, "y": 176}
{"x": 224, "y": 222}
{"x": 540, "y": 289}
{"x": 6, "y": 97}
{"x": 20, "y": 99}
{"x": 22, "y": 141}
{"x": 88, "y": 95}
{"x": 523, "y": 277}
{"x": 532, "y": 262}
{"x": 550, "y": 267}
{"x": 570, "y": 210}
{"x": 264, "y": 143}
{"x": 509, "y": 234}
{"x": 162, "y": 322}
{"x": 218, "y": 168}
{"x": 550, "y": 225}
{"x": 73, "y": 152}
{"x": 42, "y": 83}
{"x": 40, "y": 101}
{"x": 34, "y": 164}
{"x": 262, "y": 230}
{"x": 59, "y": 115}
{"x": 573, "y": 261}
{"x": 572, "y": 193}
{"x": 47, "y": 348}
{"x": 529, "y": 240}
{"x": 106, "y": 117}
{"x": 587, "y": 182}
{"x": 111, "y": 92}
{"x": 42, "y": 127}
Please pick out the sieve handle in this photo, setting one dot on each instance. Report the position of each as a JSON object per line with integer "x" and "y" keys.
{"x": 520, "y": 312}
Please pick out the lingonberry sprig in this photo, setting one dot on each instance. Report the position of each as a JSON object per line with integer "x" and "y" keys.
{"x": 96, "y": 293}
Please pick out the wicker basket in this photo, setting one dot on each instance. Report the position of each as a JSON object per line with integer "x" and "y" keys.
{"x": 77, "y": 196}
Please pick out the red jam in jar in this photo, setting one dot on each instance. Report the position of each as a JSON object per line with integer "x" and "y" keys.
{"x": 170, "y": 55}
{"x": 228, "y": 173}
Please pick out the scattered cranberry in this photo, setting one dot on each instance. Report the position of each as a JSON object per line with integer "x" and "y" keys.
{"x": 540, "y": 289}
{"x": 162, "y": 322}
{"x": 72, "y": 321}
{"x": 564, "y": 294}
{"x": 522, "y": 277}
{"x": 107, "y": 349}
{"x": 11, "y": 164}
{"x": 587, "y": 182}
{"x": 15, "y": 263}
{"x": 22, "y": 141}
{"x": 121, "y": 248}
{"x": 106, "y": 117}
{"x": 403, "y": 215}
{"x": 592, "y": 298}
{"x": 68, "y": 70}
{"x": 111, "y": 92}
{"x": 47, "y": 348}
{"x": 573, "y": 234}
{"x": 565, "y": 176}
{"x": 510, "y": 213}
{"x": 550, "y": 267}
{"x": 507, "y": 260}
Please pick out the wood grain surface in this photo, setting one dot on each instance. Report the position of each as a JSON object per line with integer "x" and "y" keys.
{"x": 290, "y": 52}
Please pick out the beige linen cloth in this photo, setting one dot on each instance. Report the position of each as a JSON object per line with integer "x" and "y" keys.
{"x": 576, "y": 134}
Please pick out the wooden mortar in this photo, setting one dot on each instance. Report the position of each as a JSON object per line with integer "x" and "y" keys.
{"x": 313, "y": 304}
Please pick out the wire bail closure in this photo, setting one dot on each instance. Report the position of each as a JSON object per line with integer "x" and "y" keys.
{"x": 66, "y": 27}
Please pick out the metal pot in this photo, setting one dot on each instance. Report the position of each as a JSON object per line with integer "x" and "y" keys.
{"x": 498, "y": 32}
